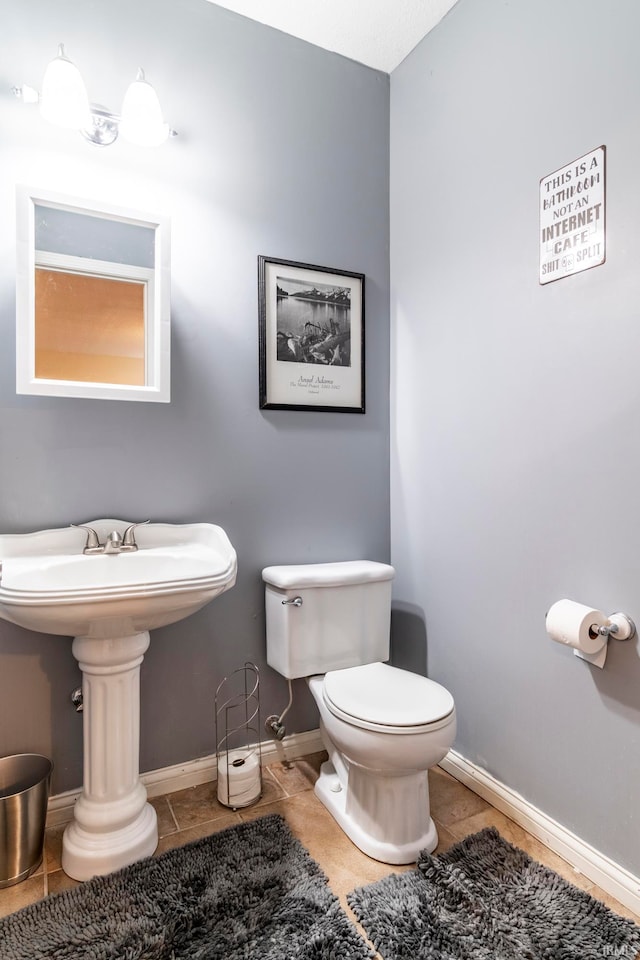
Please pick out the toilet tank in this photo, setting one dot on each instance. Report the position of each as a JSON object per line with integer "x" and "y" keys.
{"x": 343, "y": 620}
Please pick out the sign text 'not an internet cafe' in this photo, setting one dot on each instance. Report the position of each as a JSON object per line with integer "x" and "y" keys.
{"x": 572, "y": 220}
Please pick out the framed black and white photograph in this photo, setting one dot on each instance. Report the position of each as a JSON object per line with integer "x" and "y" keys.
{"x": 311, "y": 337}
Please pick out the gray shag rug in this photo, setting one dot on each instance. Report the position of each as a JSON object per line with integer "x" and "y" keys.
{"x": 486, "y": 900}
{"x": 251, "y": 892}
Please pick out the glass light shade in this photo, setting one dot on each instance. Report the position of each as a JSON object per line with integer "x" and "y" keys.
{"x": 29, "y": 94}
{"x": 64, "y": 99}
{"x": 142, "y": 121}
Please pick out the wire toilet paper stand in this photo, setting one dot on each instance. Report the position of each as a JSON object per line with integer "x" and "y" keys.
{"x": 238, "y": 749}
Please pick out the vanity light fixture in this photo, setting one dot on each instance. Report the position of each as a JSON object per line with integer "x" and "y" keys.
{"x": 64, "y": 101}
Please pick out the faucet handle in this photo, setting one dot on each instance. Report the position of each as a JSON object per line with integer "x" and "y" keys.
{"x": 128, "y": 538}
{"x": 93, "y": 543}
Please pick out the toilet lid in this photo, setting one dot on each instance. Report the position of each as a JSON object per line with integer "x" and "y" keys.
{"x": 385, "y": 696}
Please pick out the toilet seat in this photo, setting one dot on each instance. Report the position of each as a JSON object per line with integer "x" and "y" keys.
{"x": 383, "y": 698}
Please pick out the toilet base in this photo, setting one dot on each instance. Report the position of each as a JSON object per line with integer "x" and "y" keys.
{"x": 333, "y": 795}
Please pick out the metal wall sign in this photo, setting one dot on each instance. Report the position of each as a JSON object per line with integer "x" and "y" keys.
{"x": 572, "y": 217}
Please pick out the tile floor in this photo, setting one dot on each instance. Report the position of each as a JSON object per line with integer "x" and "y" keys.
{"x": 287, "y": 789}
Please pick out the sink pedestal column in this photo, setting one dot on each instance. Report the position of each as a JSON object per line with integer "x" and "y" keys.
{"x": 113, "y": 824}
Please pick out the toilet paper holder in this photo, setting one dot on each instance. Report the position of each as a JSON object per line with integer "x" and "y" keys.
{"x": 238, "y": 746}
{"x": 619, "y": 626}
{"x": 586, "y": 629}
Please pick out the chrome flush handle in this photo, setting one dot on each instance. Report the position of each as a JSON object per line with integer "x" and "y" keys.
{"x": 293, "y": 602}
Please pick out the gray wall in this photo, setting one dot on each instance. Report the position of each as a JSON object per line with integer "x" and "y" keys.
{"x": 515, "y": 406}
{"x": 283, "y": 151}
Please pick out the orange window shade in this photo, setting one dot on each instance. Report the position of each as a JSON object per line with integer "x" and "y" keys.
{"x": 89, "y": 328}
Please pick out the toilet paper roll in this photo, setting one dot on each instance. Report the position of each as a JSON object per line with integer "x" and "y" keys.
{"x": 239, "y": 780}
{"x": 576, "y": 625}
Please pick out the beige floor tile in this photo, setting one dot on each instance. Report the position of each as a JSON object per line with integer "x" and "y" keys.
{"x": 53, "y": 847}
{"x": 195, "y": 805}
{"x": 166, "y": 820}
{"x": 441, "y": 772}
{"x": 21, "y": 894}
{"x": 451, "y": 800}
{"x": 295, "y": 776}
{"x": 197, "y": 832}
{"x": 59, "y": 881}
{"x": 446, "y": 838}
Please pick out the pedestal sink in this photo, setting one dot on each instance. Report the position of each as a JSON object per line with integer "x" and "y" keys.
{"x": 108, "y": 602}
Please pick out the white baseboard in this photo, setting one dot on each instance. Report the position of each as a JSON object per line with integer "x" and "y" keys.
{"x": 611, "y": 877}
{"x": 193, "y": 772}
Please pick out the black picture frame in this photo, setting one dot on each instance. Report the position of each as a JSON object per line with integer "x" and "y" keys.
{"x": 310, "y": 337}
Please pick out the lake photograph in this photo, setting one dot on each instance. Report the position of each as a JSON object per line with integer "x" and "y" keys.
{"x": 313, "y": 322}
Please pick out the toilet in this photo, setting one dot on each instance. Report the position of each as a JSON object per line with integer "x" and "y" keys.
{"x": 381, "y": 726}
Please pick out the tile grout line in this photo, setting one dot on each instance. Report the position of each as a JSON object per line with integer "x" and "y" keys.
{"x": 282, "y": 786}
{"x": 173, "y": 816}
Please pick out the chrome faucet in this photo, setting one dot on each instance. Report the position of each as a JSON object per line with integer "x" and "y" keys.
{"x": 114, "y": 544}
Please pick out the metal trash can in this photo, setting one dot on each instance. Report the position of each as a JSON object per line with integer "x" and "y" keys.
{"x": 24, "y": 793}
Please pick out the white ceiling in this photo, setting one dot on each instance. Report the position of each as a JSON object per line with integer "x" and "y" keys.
{"x": 378, "y": 33}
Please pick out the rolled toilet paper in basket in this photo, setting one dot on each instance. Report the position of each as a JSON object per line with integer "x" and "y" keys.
{"x": 576, "y": 625}
{"x": 239, "y": 780}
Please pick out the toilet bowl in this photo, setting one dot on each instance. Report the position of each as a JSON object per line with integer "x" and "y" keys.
{"x": 382, "y": 727}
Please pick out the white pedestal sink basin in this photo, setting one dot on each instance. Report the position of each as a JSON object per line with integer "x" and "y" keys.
{"x": 108, "y": 603}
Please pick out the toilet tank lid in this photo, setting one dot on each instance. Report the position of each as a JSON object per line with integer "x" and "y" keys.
{"x": 343, "y": 573}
